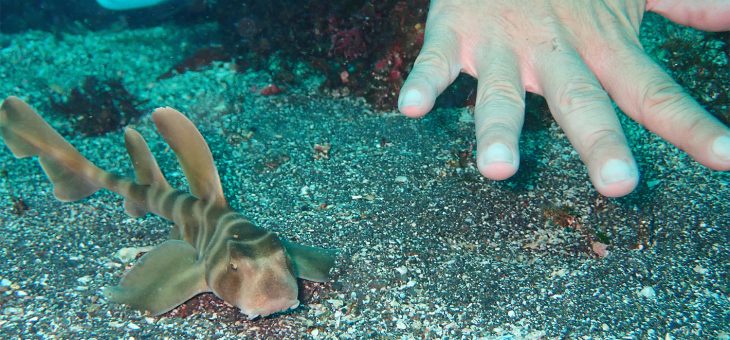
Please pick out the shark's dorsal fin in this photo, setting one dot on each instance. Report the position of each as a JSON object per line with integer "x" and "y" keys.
{"x": 145, "y": 165}
{"x": 192, "y": 152}
{"x": 145, "y": 168}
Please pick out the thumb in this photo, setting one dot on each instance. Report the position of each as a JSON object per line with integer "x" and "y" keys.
{"x": 707, "y": 15}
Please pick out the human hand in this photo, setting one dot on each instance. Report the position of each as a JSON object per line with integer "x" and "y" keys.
{"x": 708, "y": 15}
{"x": 574, "y": 53}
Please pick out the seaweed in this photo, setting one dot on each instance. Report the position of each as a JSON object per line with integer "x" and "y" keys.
{"x": 19, "y": 207}
{"x": 98, "y": 106}
{"x": 198, "y": 60}
{"x": 363, "y": 48}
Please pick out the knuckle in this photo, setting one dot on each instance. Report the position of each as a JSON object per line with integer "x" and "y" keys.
{"x": 606, "y": 138}
{"x": 661, "y": 99}
{"x": 434, "y": 67}
{"x": 500, "y": 92}
{"x": 497, "y": 127}
{"x": 433, "y": 58}
{"x": 579, "y": 95}
{"x": 693, "y": 125}
{"x": 499, "y": 108}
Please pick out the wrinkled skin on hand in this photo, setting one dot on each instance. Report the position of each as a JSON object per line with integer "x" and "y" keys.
{"x": 576, "y": 54}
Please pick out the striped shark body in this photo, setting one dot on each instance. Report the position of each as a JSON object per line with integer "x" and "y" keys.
{"x": 212, "y": 248}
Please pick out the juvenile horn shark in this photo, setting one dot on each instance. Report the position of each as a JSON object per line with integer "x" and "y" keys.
{"x": 211, "y": 248}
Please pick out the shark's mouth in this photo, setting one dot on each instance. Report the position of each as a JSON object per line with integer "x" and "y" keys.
{"x": 271, "y": 308}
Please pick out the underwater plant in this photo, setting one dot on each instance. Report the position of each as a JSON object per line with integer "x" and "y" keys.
{"x": 98, "y": 106}
{"x": 363, "y": 47}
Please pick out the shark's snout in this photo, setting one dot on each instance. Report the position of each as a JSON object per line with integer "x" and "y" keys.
{"x": 269, "y": 307}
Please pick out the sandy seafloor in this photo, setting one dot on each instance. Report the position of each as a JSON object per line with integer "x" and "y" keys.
{"x": 428, "y": 247}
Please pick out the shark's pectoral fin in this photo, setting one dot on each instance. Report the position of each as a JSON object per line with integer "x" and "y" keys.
{"x": 162, "y": 279}
{"x": 310, "y": 263}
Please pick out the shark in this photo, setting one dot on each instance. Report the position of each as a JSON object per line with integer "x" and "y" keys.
{"x": 211, "y": 248}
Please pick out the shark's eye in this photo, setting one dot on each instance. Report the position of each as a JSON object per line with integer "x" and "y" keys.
{"x": 234, "y": 266}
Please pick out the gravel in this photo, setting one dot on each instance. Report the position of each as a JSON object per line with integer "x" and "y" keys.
{"x": 428, "y": 247}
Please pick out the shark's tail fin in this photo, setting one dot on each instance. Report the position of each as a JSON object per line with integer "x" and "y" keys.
{"x": 73, "y": 176}
{"x": 27, "y": 134}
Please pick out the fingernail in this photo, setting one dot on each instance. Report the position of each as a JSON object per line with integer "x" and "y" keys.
{"x": 615, "y": 171}
{"x": 411, "y": 98}
{"x": 498, "y": 153}
{"x": 721, "y": 148}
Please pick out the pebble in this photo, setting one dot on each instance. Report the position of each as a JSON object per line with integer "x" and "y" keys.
{"x": 12, "y": 311}
{"x": 336, "y": 303}
{"x": 128, "y": 254}
{"x": 408, "y": 284}
{"x": 369, "y": 299}
{"x": 653, "y": 183}
{"x": 648, "y": 292}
